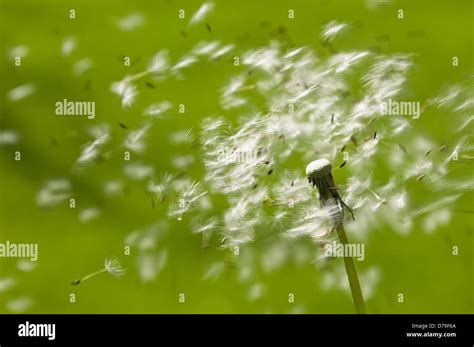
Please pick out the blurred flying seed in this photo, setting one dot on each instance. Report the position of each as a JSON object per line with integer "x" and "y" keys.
{"x": 402, "y": 147}
{"x": 428, "y": 153}
{"x": 343, "y": 148}
{"x": 343, "y": 164}
{"x": 208, "y": 27}
{"x": 183, "y": 34}
{"x": 123, "y": 126}
{"x": 54, "y": 141}
{"x": 354, "y": 140}
{"x": 375, "y": 135}
{"x": 150, "y": 85}
{"x": 419, "y": 178}
{"x": 270, "y": 172}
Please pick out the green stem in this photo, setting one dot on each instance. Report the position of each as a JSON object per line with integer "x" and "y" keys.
{"x": 85, "y": 278}
{"x": 351, "y": 271}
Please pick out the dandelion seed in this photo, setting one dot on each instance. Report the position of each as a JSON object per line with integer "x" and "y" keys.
{"x": 202, "y": 13}
{"x": 126, "y": 90}
{"x": 205, "y": 48}
{"x": 159, "y": 63}
{"x": 53, "y": 193}
{"x": 255, "y": 292}
{"x": 332, "y": 29}
{"x": 68, "y": 46}
{"x": 185, "y": 61}
{"x": 26, "y": 265}
{"x": 182, "y": 162}
{"x": 432, "y": 207}
{"x": 19, "y": 304}
{"x": 7, "y": 283}
{"x": 188, "y": 194}
{"x": 150, "y": 265}
{"x": 111, "y": 266}
{"x": 93, "y": 149}
{"x": 162, "y": 189}
{"x": 222, "y": 51}
{"x": 8, "y": 137}
{"x": 113, "y": 188}
{"x": 130, "y": 22}
{"x": 82, "y": 66}
{"x": 18, "y": 51}
{"x": 135, "y": 140}
{"x": 214, "y": 271}
{"x": 436, "y": 219}
{"x": 89, "y": 214}
{"x": 157, "y": 110}
{"x": 138, "y": 171}
{"x": 21, "y": 92}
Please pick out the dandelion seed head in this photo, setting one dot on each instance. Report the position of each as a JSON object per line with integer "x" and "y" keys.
{"x": 318, "y": 168}
{"x": 113, "y": 267}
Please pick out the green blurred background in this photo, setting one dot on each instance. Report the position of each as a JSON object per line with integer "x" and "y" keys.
{"x": 419, "y": 264}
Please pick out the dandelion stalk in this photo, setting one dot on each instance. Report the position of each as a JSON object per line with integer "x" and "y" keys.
{"x": 111, "y": 265}
{"x": 319, "y": 175}
{"x": 351, "y": 271}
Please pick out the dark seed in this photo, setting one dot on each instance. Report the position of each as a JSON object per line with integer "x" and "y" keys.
{"x": 402, "y": 147}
